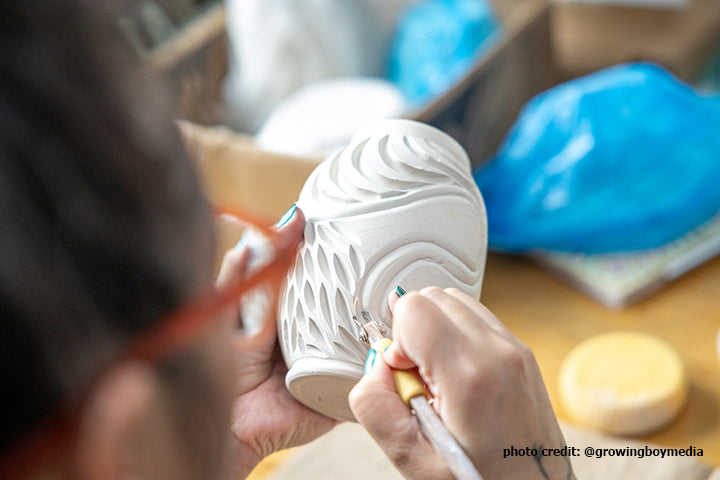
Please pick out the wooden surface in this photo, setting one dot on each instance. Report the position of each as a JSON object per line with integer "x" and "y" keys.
{"x": 552, "y": 318}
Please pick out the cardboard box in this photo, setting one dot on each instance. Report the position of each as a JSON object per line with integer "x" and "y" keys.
{"x": 588, "y": 37}
{"x": 238, "y": 175}
{"x": 477, "y": 111}
{"x": 194, "y": 63}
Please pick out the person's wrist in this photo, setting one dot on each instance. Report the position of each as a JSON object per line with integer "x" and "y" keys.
{"x": 240, "y": 459}
{"x": 536, "y": 468}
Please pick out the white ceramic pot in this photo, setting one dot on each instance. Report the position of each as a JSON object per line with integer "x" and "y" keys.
{"x": 397, "y": 206}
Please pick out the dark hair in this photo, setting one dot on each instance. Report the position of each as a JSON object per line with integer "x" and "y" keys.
{"x": 104, "y": 227}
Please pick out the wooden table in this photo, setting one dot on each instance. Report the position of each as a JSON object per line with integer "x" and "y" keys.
{"x": 552, "y": 318}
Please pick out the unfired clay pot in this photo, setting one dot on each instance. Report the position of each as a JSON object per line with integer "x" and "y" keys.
{"x": 397, "y": 206}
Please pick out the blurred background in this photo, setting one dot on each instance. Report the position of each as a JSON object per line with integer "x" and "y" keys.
{"x": 593, "y": 131}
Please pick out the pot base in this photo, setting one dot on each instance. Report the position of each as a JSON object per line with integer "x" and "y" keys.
{"x": 323, "y": 385}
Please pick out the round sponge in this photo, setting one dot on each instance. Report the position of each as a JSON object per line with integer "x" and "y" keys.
{"x": 623, "y": 383}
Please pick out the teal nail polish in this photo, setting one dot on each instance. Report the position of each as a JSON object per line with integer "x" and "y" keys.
{"x": 399, "y": 291}
{"x": 242, "y": 243}
{"x": 370, "y": 360}
{"x": 286, "y": 216}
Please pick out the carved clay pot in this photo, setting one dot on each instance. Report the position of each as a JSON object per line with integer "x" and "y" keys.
{"x": 397, "y": 206}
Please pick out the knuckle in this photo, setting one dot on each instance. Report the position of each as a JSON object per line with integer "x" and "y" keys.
{"x": 359, "y": 399}
{"x": 480, "y": 378}
{"x": 406, "y": 451}
{"x": 408, "y": 305}
{"x": 513, "y": 357}
{"x": 232, "y": 258}
{"x": 526, "y": 352}
{"x": 401, "y": 456}
{"x": 488, "y": 314}
{"x": 472, "y": 375}
{"x": 430, "y": 291}
{"x": 454, "y": 291}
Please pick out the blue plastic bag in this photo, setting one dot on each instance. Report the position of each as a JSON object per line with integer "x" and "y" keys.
{"x": 624, "y": 159}
{"x": 436, "y": 44}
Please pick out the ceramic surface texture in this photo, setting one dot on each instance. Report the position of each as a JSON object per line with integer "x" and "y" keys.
{"x": 397, "y": 206}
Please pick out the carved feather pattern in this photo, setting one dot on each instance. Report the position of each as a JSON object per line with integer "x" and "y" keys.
{"x": 378, "y": 172}
{"x": 320, "y": 316}
{"x": 386, "y": 167}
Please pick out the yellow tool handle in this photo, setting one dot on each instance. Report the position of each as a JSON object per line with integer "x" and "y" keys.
{"x": 407, "y": 382}
{"x": 410, "y": 387}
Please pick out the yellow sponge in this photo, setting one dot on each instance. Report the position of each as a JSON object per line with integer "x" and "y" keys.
{"x": 623, "y": 383}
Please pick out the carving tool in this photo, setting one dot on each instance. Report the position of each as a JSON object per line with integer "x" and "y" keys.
{"x": 411, "y": 389}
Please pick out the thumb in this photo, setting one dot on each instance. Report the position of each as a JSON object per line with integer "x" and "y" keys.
{"x": 256, "y": 311}
{"x": 379, "y": 409}
{"x": 291, "y": 226}
{"x": 262, "y": 334}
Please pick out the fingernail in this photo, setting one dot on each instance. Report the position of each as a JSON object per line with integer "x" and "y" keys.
{"x": 399, "y": 291}
{"x": 242, "y": 243}
{"x": 286, "y": 216}
{"x": 370, "y": 360}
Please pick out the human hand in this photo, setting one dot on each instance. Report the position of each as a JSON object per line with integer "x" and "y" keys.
{"x": 487, "y": 387}
{"x": 265, "y": 417}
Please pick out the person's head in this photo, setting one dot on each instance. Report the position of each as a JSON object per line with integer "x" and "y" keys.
{"x": 104, "y": 230}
